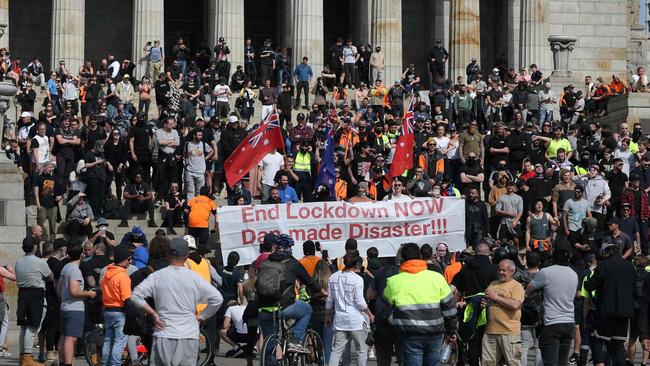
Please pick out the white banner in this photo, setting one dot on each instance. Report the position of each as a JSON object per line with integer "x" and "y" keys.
{"x": 384, "y": 225}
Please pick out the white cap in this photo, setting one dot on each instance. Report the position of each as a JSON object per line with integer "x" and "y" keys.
{"x": 233, "y": 119}
{"x": 191, "y": 243}
{"x": 25, "y": 114}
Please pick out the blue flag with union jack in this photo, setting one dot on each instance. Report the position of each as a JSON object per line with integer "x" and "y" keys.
{"x": 327, "y": 171}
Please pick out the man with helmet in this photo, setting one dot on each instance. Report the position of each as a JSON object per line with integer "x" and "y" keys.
{"x": 282, "y": 264}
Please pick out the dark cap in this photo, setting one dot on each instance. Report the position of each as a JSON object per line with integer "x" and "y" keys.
{"x": 634, "y": 177}
{"x": 121, "y": 253}
{"x": 300, "y": 116}
{"x": 178, "y": 247}
{"x": 438, "y": 41}
{"x": 29, "y": 242}
{"x": 562, "y": 244}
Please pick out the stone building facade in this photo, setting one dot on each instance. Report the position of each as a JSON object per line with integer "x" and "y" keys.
{"x": 74, "y": 30}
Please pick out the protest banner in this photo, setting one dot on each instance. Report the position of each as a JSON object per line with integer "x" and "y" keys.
{"x": 384, "y": 225}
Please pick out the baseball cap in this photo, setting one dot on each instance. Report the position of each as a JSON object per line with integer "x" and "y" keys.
{"x": 126, "y": 76}
{"x": 233, "y": 119}
{"x": 178, "y": 247}
{"x": 101, "y": 222}
{"x": 121, "y": 253}
{"x": 198, "y": 118}
{"x": 606, "y": 246}
{"x": 191, "y": 243}
{"x": 614, "y": 220}
{"x": 25, "y": 114}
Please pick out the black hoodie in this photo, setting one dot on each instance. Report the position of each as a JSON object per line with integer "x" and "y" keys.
{"x": 294, "y": 270}
{"x": 475, "y": 276}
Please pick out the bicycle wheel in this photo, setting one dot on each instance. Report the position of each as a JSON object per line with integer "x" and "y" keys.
{"x": 316, "y": 355}
{"x": 205, "y": 349}
{"x": 268, "y": 350}
{"x": 92, "y": 352}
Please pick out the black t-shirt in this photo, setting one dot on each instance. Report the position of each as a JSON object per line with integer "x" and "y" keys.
{"x": 175, "y": 72}
{"x": 191, "y": 88}
{"x": 90, "y": 136}
{"x": 93, "y": 266}
{"x": 498, "y": 142}
{"x": 616, "y": 184}
{"x": 140, "y": 134}
{"x": 47, "y": 190}
{"x": 474, "y": 170}
{"x": 171, "y": 200}
{"x": 66, "y": 150}
{"x": 537, "y": 156}
{"x": 161, "y": 88}
{"x": 475, "y": 276}
{"x": 93, "y": 91}
{"x": 50, "y": 292}
{"x": 536, "y": 76}
{"x": 361, "y": 167}
{"x": 495, "y": 95}
{"x": 97, "y": 171}
{"x": 437, "y": 117}
{"x": 230, "y": 280}
{"x": 142, "y": 188}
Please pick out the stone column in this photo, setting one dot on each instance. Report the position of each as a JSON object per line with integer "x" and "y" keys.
{"x": 308, "y": 34}
{"x": 226, "y": 19}
{"x": 465, "y": 35}
{"x": 514, "y": 32}
{"x": 534, "y": 32}
{"x": 68, "y": 28}
{"x": 148, "y": 26}
{"x": 4, "y": 19}
{"x": 387, "y": 33}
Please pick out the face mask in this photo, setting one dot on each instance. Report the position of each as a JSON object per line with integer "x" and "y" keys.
{"x": 501, "y": 166}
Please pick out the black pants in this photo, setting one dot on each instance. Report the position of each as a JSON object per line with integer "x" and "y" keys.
{"x": 200, "y": 234}
{"x": 143, "y": 165}
{"x": 266, "y": 74}
{"x": 555, "y": 344}
{"x": 350, "y": 72}
{"x": 251, "y": 71}
{"x": 64, "y": 166}
{"x": 304, "y": 189}
{"x": 77, "y": 228}
{"x": 386, "y": 340}
{"x": 474, "y": 348}
{"x": 119, "y": 182}
{"x": 51, "y": 324}
{"x": 96, "y": 192}
{"x": 130, "y": 207}
{"x": 167, "y": 170}
{"x": 173, "y": 217}
{"x": 304, "y": 87}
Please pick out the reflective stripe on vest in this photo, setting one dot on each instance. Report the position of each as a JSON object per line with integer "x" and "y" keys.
{"x": 302, "y": 163}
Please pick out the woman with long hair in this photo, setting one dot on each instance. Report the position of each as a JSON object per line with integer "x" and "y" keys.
{"x": 116, "y": 153}
{"x": 321, "y": 276}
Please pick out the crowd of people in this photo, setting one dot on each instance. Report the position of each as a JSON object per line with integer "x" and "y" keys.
{"x": 568, "y": 190}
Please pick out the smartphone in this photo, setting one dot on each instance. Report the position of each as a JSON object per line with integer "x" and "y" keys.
{"x": 325, "y": 256}
{"x": 317, "y": 244}
{"x": 149, "y": 44}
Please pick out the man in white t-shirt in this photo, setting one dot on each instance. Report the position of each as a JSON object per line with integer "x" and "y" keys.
{"x": 267, "y": 169}
{"x": 221, "y": 93}
{"x": 346, "y": 303}
{"x": 235, "y": 330}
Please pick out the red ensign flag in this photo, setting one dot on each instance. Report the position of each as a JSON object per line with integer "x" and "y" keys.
{"x": 261, "y": 141}
{"x": 403, "y": 158}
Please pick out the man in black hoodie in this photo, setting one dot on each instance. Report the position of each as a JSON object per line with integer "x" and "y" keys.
{"x": 472, "y": 279}
{"x": 290, "y": 307}
{"x": 615, "y": 307}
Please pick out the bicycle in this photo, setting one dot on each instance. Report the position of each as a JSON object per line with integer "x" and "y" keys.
{"x": 95, "y": 342}
{"x": 277, "y": 344}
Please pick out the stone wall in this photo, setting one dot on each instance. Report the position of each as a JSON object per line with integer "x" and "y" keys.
{"x": 602, "y": 30}
{"x": 30, "y": 24}
{"x": 108, "y": 29}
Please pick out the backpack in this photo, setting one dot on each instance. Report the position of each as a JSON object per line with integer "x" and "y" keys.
{"x": 270, "y": 277}
{"x": 532, "y": 310}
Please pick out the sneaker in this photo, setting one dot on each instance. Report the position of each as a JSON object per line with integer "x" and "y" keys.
{"x": 123, "y": 223}
{"x": 235, "y": 352}
{"x": 151, "y": 223}
{"x": 40, "y": 358}
{"x": 371, "y": 354}
{"x": 171, "y": 231}
{"x": 297, "y": 348}
{"x": 573, "y": 360}
{"x": 4, "y": 353}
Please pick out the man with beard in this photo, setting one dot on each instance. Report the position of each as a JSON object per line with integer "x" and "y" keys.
{"x": 518, "y": 143}
{"x": 540, "y": 187}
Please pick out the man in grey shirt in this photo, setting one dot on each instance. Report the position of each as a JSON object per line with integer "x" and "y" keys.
{"x": 510, "y": 207}
{"x": 560, "y": 284}
{"x": 168, "y": 140}
{"x": 575, "y": 210}
{"x": 31, "y": 273}
{"x": 70, "y": 290}
{"x": 196, "y": 154}
{"x": 176, "y": 291}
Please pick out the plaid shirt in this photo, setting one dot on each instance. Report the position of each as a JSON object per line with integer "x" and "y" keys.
{"x": 628, "y": 197}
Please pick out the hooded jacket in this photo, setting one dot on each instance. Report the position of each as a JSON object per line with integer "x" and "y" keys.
{"x": 293, "y": 270}
{"x": 116, "y": 286}
{"x": 475, "y": 276}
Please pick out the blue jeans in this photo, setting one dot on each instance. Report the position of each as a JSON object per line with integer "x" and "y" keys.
{"x": 181, "y": 65}
{"x": 299, "y": 310}
{"x": 421, "y": 351}
{"x": 545, "y": 115}
{"x": 328, "y": 333}
{"x": 114, "y": 338}
{"x": 208, "y": 112}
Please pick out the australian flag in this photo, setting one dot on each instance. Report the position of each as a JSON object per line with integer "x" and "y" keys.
{"x": 326, "y": 172}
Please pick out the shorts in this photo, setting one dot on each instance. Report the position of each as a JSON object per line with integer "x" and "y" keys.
{"x": 72, "y": 323}
{"x": 634, "y": 327}
{"x": 578, "y": 312}
{"x": 612, "y": 329}
{"x": 235, "y": 336}
{"x": 508, "y": 233}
